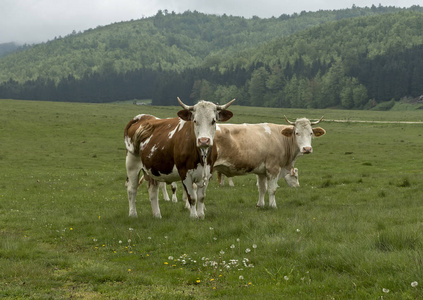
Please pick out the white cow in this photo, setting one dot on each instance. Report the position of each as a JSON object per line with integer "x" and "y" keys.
{"x": 267, "y": 150}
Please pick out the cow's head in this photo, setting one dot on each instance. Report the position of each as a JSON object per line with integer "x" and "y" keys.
{"x": 303, "y": 132}
{"x": 204, "y": 116}
{"x": 291, "y": 178}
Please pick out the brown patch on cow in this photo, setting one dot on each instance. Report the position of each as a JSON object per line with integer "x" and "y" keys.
{"x": 185, "y": 115}
{"x": 225, "y": 115}
{"x": 318, "y": 131}
{"x": 288, "y": 131}
{"x": 143, "y": 132}
{"x": 133, "y": 126}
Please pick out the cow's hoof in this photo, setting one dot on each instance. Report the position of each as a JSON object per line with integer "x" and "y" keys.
{"x": 133, "y": 214}
{"x": 157, "y": 216}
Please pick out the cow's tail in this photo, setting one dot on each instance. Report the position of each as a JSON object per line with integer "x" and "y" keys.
{"x": 141, "y": 180}
{"x": 129, "y": 140}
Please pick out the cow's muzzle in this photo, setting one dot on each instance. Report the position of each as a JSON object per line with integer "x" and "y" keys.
{"x": 203, "y": 142}
{"x": 307, "y": 150}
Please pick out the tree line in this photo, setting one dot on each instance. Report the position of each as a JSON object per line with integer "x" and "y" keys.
{"x": 319, "y": 85}
{"x": 353, "y": 62}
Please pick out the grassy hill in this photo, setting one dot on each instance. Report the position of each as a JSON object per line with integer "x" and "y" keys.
{"x": 167, "y": 41}
{"x": 351, "y": 58}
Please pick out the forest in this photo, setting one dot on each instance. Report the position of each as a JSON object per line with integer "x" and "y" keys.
{"x": 353, "y": 58}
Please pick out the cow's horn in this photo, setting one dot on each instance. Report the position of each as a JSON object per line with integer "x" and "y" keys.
{"x": 184, "y": 105}
{"x": 222, "y": 107}
{"x": 317, "y": 122}
{"x": 288, "y": 121}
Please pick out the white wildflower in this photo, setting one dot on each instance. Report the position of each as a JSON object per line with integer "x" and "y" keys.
{"x": 414, "y": 284}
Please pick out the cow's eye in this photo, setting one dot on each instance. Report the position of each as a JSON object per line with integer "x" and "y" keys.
{"x": 195, "y": 121}
{"x": 213, "y": 121}
{"x": 297, "y": 134}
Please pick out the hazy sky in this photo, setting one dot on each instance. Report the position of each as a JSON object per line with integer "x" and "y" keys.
{"x": 32, "y": 21}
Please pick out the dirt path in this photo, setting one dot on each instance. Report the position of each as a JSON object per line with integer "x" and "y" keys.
{"x": 380, "y": 122}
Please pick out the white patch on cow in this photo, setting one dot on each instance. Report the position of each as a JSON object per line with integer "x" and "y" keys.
{"x": 128, "y": 144}
{"x": 266, "y": 128}
{"x": 198, "y": 173}
{"x": 217, "y": 127}
{"x": 177, "y": 128}
{"x": 138, "y": 117}
{"x": 143, "y": 144}
{"x": 154, "y": 148}
{"x": 173, "y": 176}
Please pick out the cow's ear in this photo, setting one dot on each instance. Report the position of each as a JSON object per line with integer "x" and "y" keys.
{"x": 185, "y": 115}
{"x": 287, "y": 131}
{"x": 318, "y": 131}
{"x": 224, "y": 115}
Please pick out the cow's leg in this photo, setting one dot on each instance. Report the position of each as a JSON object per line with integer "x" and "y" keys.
{"x": 272, "y": 185}
{"x": 201, "y": 194}
{"x": 230, "y": 181}
{"x": 164, "y": 191}
{"x": 174, "y": 188}
{"x": 191, "y": 194}
{"x": 220, "y": 179}
{"x": 153, "y": 193}
{"x": 133, "y": 167}
{"x": 185, "y": 199}
{"x": 262, "y": 187}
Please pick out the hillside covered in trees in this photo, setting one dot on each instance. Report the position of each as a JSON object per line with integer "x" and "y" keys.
{"x": 352, "y": 58}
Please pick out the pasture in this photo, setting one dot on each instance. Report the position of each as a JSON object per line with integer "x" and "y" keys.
{"x": 352, "y": 230}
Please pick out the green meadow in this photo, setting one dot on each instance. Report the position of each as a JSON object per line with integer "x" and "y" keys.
{"x": 352, "y": 230}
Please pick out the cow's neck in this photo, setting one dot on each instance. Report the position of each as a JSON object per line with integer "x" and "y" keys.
{"x": 293, "y": 151}
{"x": 204, "y": 153}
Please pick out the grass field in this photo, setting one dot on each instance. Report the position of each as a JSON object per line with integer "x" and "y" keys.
{"x": 353, "y": 230}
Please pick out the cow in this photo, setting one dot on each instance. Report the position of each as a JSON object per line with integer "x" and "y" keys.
{"x": 176, "y": 149}
{"x": 290, "y": 176}
{"x": 267, "y": 150}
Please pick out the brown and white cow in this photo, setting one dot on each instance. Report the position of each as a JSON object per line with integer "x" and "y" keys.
{"x": 177, "y": 149}
{"x": 267, "y": 150}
